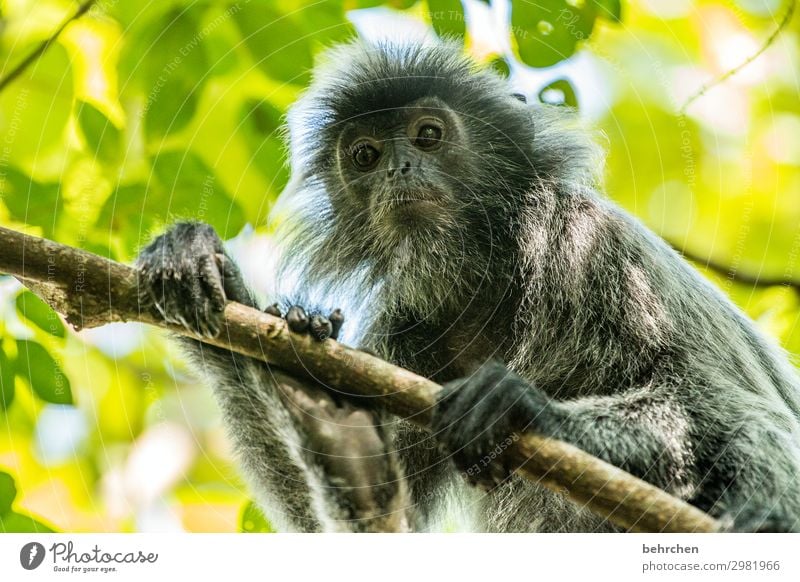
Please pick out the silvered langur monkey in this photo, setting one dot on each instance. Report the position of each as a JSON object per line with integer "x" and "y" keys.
{"x": 470, "y": 220}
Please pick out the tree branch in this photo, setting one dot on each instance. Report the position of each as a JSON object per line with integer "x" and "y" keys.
{"x": 42, "y": 48}
{"x": 90, "y": 290}
{"x": 736, "y": 275}
{"x": 787, "y": 17}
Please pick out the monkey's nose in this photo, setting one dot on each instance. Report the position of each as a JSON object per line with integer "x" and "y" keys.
{"x": 404, "y": 169}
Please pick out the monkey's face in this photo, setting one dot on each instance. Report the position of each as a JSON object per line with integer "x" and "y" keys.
{"x": 412, "y": 166}
{"x": 402, "y": 168}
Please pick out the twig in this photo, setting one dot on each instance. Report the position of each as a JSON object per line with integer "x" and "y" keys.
{"x": 42, "y": 48}
{"x": 787, "y": 17}
{"x": 736, "y": 275}
{"x": 89, "y": 290}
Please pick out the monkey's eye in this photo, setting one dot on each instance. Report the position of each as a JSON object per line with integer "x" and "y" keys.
{"x": 365, "y": 156}
{"x": 428, "y": 137}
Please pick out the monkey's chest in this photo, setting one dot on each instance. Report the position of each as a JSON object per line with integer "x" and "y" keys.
{"x": 441, "y": 354}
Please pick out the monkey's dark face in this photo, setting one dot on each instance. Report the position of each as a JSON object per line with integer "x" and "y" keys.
{"x": 401, "y": 166}
{"x": 415, "y": 167}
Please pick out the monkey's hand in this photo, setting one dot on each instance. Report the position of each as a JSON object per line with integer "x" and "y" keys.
{"x": 186, "y": 277}
{"x": 475, "y": 419}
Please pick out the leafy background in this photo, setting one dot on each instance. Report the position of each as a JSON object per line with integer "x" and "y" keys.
{"x": 142, "y": 112}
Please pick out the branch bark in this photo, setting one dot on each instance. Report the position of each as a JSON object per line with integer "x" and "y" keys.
{"x": 90, "y": 290}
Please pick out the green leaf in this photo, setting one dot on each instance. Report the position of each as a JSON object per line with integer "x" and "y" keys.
{"x": 131, "y": 15}
{"x": 559, "y": 92}
{"x": 35, "y": 108}
{"x": 13, "y": 522}
{"x": 283, "y": 41}
{"x": 324, "y": 23}
{"x": 547, "y": 33}
{"x": 44, "y": 375}
{"x": 501, "y": 66}
{"x": 401, "y": 4}
{"x": 275, "y": 42}
{"x": 447, "y": 17}
{"x": 252, "y": 520}
{"x": 262, "y": 117}
{"x": 132, "y": 214}
{"x": 165, "y": 58}
{"x": 396, "y": 4}
{"x": 30, "y": 201}
{"x": 182, "y": 186}
{"x": 189, "y": 189}
{"x": 7, "y": 388}
{"x": 40, "y": 314}
{"x": 359, "y": 4}
{"x": 261, "y": 126}
{"x": 609, "y": 9}
{"x": 8, "y": 491}
{"x": 102, "y": 136}
{"x": 223, "y": 37}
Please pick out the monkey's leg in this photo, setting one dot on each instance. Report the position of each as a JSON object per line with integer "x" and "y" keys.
{"x": 365, "y": 489}
{"x": 268, "y": 445}
{"x": 431, "y": 479}
{"x": 315, "y": 464}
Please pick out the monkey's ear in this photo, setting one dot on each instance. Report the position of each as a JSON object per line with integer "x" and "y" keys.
{"x": 520, "y": 96}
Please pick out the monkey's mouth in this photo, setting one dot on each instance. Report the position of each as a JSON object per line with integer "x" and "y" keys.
{"x": 414, "y": 201}
{"x": 417, "y": 211}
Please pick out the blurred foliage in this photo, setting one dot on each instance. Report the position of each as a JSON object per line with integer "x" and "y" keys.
{"x": 252, "y": 520}
{"x": 11, "y": 521}
{"x": 141, "y": 113}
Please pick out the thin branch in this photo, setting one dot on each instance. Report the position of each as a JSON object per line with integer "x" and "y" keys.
{"x": 42, "y": 48}
{"x": 90, "y": 290}
{"x": 734, "y": 274}
{"x": 787, "y": 17}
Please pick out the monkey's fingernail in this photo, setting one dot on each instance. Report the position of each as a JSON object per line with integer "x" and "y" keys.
{"x": 297, "y": 319}
{"x": 337, "y": 319}
{"x": 320, "y": 327}
{"x": 273, "y": 310}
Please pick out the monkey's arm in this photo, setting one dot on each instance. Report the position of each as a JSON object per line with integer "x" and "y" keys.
{"x": 315, "y": 463}
{"x": 642, "y": 431}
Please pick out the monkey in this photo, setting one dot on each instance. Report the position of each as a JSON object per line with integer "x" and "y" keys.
{"x": 471, "y": 226}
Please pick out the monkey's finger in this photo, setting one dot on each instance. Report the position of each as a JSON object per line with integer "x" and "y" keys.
{"x": 211, "y": 278}
{"x": 156, "y": 302}
{"x": 297, "y": 319}
{"x": 320, "y": 327}
{"x": 337, "y": 320}
{"x": 232, "y": 283}
{"x": 209, "y": 318}
{"x": 189, "y": 299}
